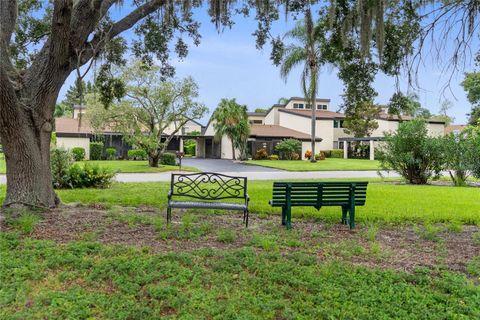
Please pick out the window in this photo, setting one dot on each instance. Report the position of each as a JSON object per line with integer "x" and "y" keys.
{"x": 308, "y": 106}
{"x": 338, "y": 123}
{"x": 298, "y": 106}
{"x": 256, "y": 121}
{"x": 321, "y": 107}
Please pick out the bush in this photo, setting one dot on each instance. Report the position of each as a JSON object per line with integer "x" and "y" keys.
{"x": 320, "y": 156}
{"x": 327, "y": 153}
{"x": 78, "y": 153}
{"x": 168, "y": 159}
{"x": 96, "y": 149}
{"x": 288, "y": 147}
{"x": 461, "y": 152}
{"x": 111, "y": 153}
{"x": 60, "y": 162}
{"x": 189, "y": 149}
{"x": 409, "y": 151}
{"x": 88, "y": 176}
{"x": 308, "y": 154}
{"x": 336, "y": 153}
{"x": 273, "y": 157}
{"x": 261, "y": 154}
{"x": 137, "y": 154}
{"x": 296, "y": 156}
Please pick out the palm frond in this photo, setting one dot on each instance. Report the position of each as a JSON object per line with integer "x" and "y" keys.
{"x": 293, "y": 57}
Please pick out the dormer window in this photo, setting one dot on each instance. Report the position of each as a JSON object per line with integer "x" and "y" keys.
{"x": 298, "y": 106}
{"x": 321, "y": 107}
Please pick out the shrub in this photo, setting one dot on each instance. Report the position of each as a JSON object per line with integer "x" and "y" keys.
{"x": 288, "y": 147}
{"x": 295, "y": 156}
{"x": 111, "y": 153}
{"x": 168, "y": 159}
{"x": 328, "y": 153}
{"x": 60, "y": 162}
{"x": 273, "y": 157}
{"x": 308, "y": 154}
{"x": 137, "y": 154}
{"x": 320, "y": 156}
{"x": 88, "y": 176}
{"x": 96, "y": 149}
{"x": 336, "y": 153}
{"x": 190, "y": 149}
{"x": 261, "y": 154}
{"x": 78, "y": 153}
{"x": 412, "y": 153}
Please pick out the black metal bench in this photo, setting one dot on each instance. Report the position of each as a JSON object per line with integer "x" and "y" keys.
{"x": 209, "y": 189}
{"x": 319, "y": 194}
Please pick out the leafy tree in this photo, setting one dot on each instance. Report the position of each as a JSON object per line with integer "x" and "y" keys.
{"x": 75, "y": 95}
{"x": 63, "y": 110}
{"x": 261, "y": 110}
{"x": 409, "y": 151}
{"x": 401, "y": 105}
{"x": 460, "y": 155}
{"x": 471, "y": 85}
{"x": 283, "y": 100}
{"x": 230, "y": 119}
{"x": 153, "y": 111}
{"x": 306, "y": 51}
{"x": 443, "y": 112}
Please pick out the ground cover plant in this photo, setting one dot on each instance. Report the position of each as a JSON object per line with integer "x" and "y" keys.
{"x": 329, "y": 164}
{"x": 126, "y": 263}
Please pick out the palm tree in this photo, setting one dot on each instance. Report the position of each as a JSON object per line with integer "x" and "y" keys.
{"x": 307, "y": 51}
{"x": 230, "y": 119}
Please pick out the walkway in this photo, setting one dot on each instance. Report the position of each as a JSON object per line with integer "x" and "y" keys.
{"x": 221, "y": 165}
{"x": 278, "y": 175}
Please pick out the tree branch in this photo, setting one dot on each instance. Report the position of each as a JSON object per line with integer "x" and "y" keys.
{"x": 8, "y": 19}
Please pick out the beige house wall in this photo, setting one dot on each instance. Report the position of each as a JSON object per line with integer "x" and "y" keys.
{"x": 289, "y": 105}
{"x": 200, "y": 148}
{"x": 307, "y": 145}
{"x": 68, "y": 143}
{"x": 256, "y": 118}
{"x": 190, "y": 126}
{"x": 436, "y": 129}
{"x": 226, "y": 147}
{"x": 272, "y": 116}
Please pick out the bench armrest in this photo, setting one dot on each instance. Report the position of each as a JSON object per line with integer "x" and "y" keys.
{"x": 169, "y": 194}
{"x": 247, "y": 198}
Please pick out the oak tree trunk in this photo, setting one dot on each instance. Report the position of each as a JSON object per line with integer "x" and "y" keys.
{"x": 26, "y": 143}
{"x": 153, "y": 161}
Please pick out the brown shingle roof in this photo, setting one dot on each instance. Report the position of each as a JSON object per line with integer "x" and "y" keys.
{"x": 455, "y": 127}
{"x": 70, "y": 125}
{"x": 275, "y": 131}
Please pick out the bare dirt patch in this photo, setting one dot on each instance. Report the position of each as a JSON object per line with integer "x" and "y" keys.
{"x": 392, "y": 247}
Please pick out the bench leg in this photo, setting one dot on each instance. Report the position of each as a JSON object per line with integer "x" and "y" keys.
{"x": 169, "y": 214}
{"x": 284, "y": 216}
{"x": 289, "y": 218}
{"x": 245, "y": 218}
{"x": 352, "y": 216}
{"x": 344, "y": 214}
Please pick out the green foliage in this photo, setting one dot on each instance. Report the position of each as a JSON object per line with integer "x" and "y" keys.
{"x": 429, "y": 232}
{"x": 137, "y": 154}
{"x": 23, "y": 221}
{"x": 96, "y": 150}
{"x": 288, "y": 147}
{"x": 460, "y": 152}
{"x": 226, "y": 236}
{"x": 60, "y": 162}
{"x": 78, "y": 153}
{"x": 88, "y": 176}
{"x": 401, "y": 104}
{"x": 337, "y": 153}
{"x": 261, "y": 110}
{"x": 111, "y": 153}
{"x": 63, "y": 110}
{"x": 168, "y": 159}
{"x": 409, "y": 151}
{"x": 230, "y": 119}
{"x": 471, "y": 85}
{"x": 261, "y": 154}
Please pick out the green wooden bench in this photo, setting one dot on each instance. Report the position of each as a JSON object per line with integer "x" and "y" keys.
{"x": 319, "y": 194}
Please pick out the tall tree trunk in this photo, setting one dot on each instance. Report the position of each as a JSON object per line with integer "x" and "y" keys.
{"x": 153, "y": 161}
{"x": 233, "y": 150}
{"x": 26, "y": 143}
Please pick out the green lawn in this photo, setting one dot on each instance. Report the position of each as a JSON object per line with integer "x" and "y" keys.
{"x": 386, "y": 201}
{"x": 124, "y": 166}
{"x": 329, "y": 164}
{"x": 130, "y": 166}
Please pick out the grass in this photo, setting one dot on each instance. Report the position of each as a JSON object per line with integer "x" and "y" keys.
{"x": 123, "y": 166}
{"x": 329, "y": 164}
{"x": 40, "y": 279}
{"x": 387, "y": 202}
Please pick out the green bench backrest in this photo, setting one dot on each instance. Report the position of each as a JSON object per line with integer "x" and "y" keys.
{"x": 318, "y": 193}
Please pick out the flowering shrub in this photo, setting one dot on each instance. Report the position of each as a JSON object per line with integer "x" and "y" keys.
{"x": 308, "y": 154}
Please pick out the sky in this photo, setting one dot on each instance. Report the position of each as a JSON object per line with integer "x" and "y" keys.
{"x": 228, "y": 65}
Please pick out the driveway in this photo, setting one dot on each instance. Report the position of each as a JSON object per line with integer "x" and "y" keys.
{"x": 221, "y": 165}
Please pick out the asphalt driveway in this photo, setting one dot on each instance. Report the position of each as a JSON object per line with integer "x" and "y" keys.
{"x": 221, "y": 165}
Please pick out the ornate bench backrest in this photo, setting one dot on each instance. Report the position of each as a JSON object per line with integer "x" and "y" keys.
{"x": 208, "y": 186}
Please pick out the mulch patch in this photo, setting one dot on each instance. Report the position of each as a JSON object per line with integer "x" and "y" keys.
{"x": 401, "y": 247}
